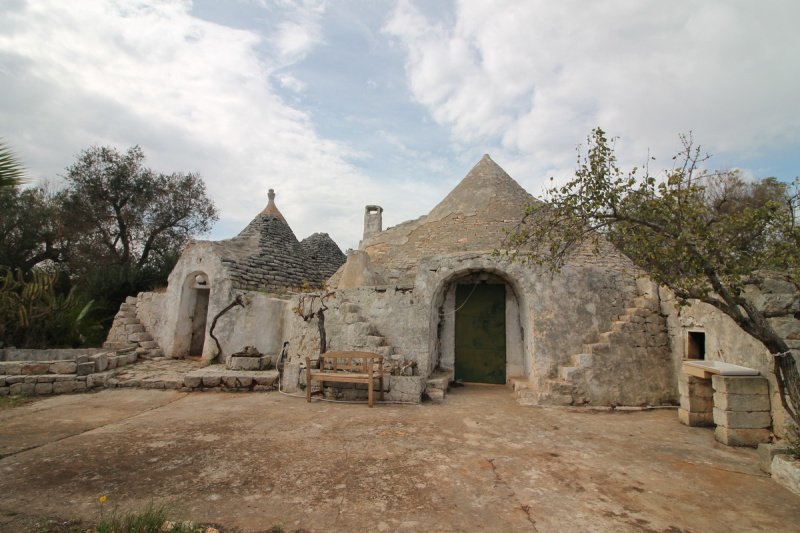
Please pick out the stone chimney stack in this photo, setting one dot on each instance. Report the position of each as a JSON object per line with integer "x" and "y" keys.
{"x": 373, "y": 220}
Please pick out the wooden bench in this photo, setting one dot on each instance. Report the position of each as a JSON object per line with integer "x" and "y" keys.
{"x": 347, "y": 367}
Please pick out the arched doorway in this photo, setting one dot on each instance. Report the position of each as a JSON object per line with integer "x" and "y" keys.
{"x": 477, "y": 323}
{"x": 191, "y": 330}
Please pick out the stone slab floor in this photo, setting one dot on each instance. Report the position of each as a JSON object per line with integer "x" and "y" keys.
{"x": 477, "y": 462}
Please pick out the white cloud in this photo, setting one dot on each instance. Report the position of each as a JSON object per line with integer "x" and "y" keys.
{"x": 535, "y": 76}
{"x": 195, "y": 95}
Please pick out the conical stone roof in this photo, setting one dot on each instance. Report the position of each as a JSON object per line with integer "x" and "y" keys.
{"x": 473, "y": 217}
{"x": 267, "y": 254}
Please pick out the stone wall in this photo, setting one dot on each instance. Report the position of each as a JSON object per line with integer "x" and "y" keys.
{"x": 26, "y": 354}
{"x": 83, "y": 372}
{"x": 727, "y": 342}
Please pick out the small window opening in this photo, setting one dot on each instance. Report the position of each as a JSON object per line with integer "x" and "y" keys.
{"x": 696, "y": 348}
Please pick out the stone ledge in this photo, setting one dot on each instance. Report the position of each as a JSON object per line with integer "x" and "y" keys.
{"x": 786, "y": 472}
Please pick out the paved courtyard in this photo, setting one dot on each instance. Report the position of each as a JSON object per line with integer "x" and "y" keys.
{"x": 477, "y": 462}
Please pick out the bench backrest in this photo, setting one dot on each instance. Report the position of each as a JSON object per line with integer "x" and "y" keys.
{"x": 360, "y": 362}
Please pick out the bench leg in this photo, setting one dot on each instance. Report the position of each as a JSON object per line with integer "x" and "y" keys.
{"x": 381, "y": 385}
{"x": 370, "y": 387}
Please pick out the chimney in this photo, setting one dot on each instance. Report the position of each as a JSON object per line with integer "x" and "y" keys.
{"x": 373, "y": 220}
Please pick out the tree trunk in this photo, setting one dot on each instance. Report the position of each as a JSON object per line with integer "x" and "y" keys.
{"x": 323, "y": 340}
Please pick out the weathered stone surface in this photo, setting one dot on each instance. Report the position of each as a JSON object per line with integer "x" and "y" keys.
{"x": 22, "y": 388}
{"x": 191, "y": 381}
{"x": 742, "y": 419}
{"x": 63, "y": 367}
{"x": 786, "y": 472}
{"x": 60, "y": 387}
{"x": 247, "y": 363}
{"x": 741, "y": 402}
{"x": 688, "y": 418}
{"x": 35, "y": 368}
{"x": 697, "y": 404}
{"x": 766, "y": 451}
{"x": 48, "y": 378}
{"x": 265, "y": 378}
{"x": 741, "y": 436}
{"x": 211, "y": 381}
{"x": 84, "y": 369}
{"x": 4, "y": 391}
{"x": 43, "y": 388}
{"x": 244, "y": 382}
{"x": 290, "y": 377}
{"x": 100, "y": 362}
{"x": 406, "y": 388}
{"x": 740, "y": 384}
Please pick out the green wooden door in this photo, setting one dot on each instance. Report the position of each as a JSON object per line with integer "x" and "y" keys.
{"x": 480, "y": 344}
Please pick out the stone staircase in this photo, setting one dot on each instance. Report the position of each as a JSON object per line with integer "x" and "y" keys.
{"x": 128, "y": 330}
{"x": 361, "y": 335}
{"x": 639, "y": 328}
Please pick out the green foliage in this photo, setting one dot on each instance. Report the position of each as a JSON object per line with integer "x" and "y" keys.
{"x": 12, "y": 173}
{"x": 34, "y": 315}
{"x": 121, "y": 213}
{"x": 30, "y": 228}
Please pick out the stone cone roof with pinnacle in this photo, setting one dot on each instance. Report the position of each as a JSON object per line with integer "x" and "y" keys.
{"x": 266, "y": 254}
{"x": 472, "y": 218}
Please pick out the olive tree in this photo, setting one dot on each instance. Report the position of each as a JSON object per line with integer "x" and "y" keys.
{"x": 705, "y": 235}
{"x": 120, "y": 212}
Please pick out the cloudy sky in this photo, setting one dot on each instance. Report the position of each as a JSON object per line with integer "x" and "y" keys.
{"x": 342, "y": 103}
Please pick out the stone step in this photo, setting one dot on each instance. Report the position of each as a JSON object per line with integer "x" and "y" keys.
{"x": 549, "y": 398}
{"x": 559, "y": 387}
{"x": 582, "y": 360}
{"x": 518, "y": 383}
{"x": 570, "y": 373}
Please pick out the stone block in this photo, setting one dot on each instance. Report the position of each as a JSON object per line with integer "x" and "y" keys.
{"x": 373, "y": 341}
{"x": 138, "y": 337}
{"x": 290, "y": 377}
{"x": 265, "y": 378}
{"x": 192, "y": 382}
{"x": 63, "y": 367}
{"x": 786, "y": 472}
{"x": 244, "y": 382}
{"x": 49, "y": 378}
{"x": 43, "y": 388}
{"x": 82, "y": 359}
{"x": 2, "y": 381}
{"x": 112, "y": 362}
{"x": 406, "y": 388}
{"x": 13, "y": 369}
{"x": 35, "y": 368}
{"x": 741, "y": 436}
{"x": 697, "y": 404}
{"x": 262, "y": 388}
{"x": 740, "y": 384}
{"x": 22, "y": 388}
{"x": 80, "y": 386}
{"x": 4, "y": 391}
{"x": 688, "y": 418}
{"x": 766, "y": 451}
{"x": 211, "y": 381}
{"x": 84, "y": 369}
{"x": 100, "y": 362}
{"x": 134, "y": 328}
{"x": 10, "y": 380}
{"x": 60, "y": 387}
{"x": 246, "y": 363}
{"x": 701, "y": 388}
{"x": 173, "y": 383}
{"x": 741, "y": 402}
{"x": 742, "y": 419}
{"x": 229, "y": 381}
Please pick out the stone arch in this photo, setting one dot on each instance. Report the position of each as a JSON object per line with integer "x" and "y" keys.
{"x": 192, "y": 320}
{"x": 442, "y": 318}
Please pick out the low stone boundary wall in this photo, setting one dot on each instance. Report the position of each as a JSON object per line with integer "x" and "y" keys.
{"x": 56, "y": 354}
{"x": 66, "y": 375}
